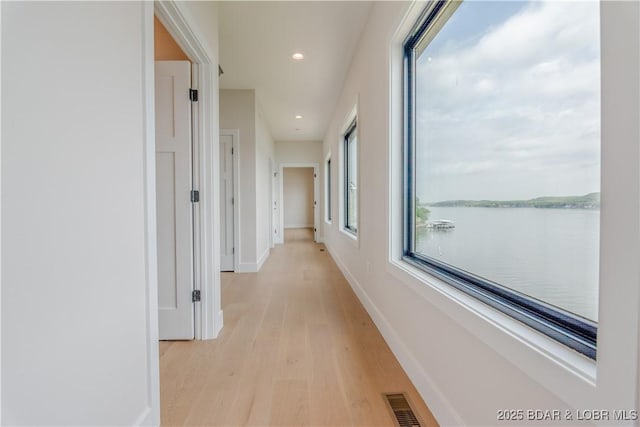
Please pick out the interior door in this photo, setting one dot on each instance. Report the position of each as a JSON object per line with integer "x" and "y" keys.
{"x": 173, "y": 200}
{"x": 276, "y": 208}
{"x": 227, "y": 242}
{"x": 316, "y": 205}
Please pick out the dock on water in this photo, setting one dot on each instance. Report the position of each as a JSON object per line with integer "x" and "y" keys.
{"x": 440, "y": 224}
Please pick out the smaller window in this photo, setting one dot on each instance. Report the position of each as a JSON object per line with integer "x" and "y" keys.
{"x": 351, "y": 179}
{"x": 327, "y": 190}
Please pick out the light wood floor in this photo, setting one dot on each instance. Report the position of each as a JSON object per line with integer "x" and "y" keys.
{"x": 297, "y": 349}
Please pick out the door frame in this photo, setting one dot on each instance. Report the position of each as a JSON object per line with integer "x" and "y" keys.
{"x": 235, "y": 134}
{"x": 272, "y": 197}
{"x": 316, "y": 206}
{"x": 208, "y": 313}
{"x": 208, "y": 316}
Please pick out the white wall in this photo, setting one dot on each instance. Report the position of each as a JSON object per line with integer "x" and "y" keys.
{"x": 466, "y": 360}
{"x": 265, "y": 152}
{"x": 237, "y": 111}
{"x": 74, "y": 282}
{"x": 299, "y": 152}
{"x": 78, "y": 330}
{"x": 297, "y": 191}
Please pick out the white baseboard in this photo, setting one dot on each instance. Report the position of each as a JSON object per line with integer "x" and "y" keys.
{"x": 253, "y": 267}
{"x": 440, "y": 406}
{"x": 298, "y": 226}
{"x": 145, "y": 418}
{"x": 263, "y": 258}
{"x": 219, "y": 323}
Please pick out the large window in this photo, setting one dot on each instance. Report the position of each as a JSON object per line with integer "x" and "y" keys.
{"x": 502, "y": 158}
{"x": 350, "y": 147}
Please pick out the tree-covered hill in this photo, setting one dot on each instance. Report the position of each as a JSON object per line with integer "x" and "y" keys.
{"x": 588, "y": 201}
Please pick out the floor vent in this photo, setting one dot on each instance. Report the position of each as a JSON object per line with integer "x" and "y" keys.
{"x": 399, "y": 405}
{"x": 321, "y": 249}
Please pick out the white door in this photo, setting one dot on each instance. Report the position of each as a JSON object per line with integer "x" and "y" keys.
{"x": 173, "y": 200}
{"x": 315, "y": 204}
{"x": 227, "y": 242}
{"x": 276, "y": 208}
{"x": 272, "y": 200}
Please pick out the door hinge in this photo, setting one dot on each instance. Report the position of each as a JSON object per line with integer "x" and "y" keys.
{"x": 315, "y": 203}
{"x": 232, "y": 151}
{"x": 233, "y": 251}
{"x": 315, "y": 176}
{"x": 193, "y": 95}
{"x": 233, "y": 201}
{"x": 195, "y": 296}
{"x": 315, "y": 229}
{"x": 195, "y": 196}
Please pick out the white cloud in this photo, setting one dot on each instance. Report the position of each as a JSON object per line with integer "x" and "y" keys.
{"x": 518, "y": 100}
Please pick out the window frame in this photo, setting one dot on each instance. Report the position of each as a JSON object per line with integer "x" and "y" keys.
{"x": 352, "y": 129}
{"x": 563, "y": 326}
{"x": 328, "y": 214}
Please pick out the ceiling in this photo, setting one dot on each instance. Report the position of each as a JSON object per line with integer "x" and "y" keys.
{"x": 257, "y": 40}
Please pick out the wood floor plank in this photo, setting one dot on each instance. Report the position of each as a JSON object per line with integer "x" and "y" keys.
{"x": 290, "y": 404}
{"x": 297, "y": 348}
{"x": 328, "y": 407}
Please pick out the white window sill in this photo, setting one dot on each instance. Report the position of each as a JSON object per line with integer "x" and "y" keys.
{"x": 353, "y": 238}
{"x": 557, "y": 367}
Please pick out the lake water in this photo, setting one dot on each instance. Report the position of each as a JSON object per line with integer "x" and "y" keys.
{"x": 549, "y": 254}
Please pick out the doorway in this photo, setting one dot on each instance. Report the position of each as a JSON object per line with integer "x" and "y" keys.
{"x": 207, "y": 317}
{"x": 299, "y": 198}
{"x": 174, "y": 180}
{"x": 229, "y": 219}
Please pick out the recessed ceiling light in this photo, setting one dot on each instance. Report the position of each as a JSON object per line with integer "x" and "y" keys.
{"x": 298, "y": 117}
{"x": 298, "y": 56}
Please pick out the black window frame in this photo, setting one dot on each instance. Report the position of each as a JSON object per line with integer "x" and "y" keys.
{"x": 574, "y": 331}
{"x": 351, "y": 130}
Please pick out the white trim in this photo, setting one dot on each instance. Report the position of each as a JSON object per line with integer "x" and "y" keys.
{"x": 219, "y": 322}
{"x": 426, "y": 386}
{"x": 262, "y": 259}
{"x": 146, "y": 418}
{"x": 247, "y": 267}
{"x": 206, "y": 145}
{"x": 152, "y": 413}
{"x": 254, "y": 267}
{"x": 1, "y": 423}
{"x": 272, "y": 167}
{"x": 290, "y": 226}
{"x": 315, "y": 195}
{"x": 235, "y": 134}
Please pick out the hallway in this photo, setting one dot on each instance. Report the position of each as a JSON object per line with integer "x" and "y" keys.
{"x": 297, "y": 349}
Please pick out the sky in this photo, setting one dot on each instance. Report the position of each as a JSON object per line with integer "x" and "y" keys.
{"x": 508, "y": 102}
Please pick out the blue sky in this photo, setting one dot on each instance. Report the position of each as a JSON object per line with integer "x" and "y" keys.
{"x": 509, "y": 102}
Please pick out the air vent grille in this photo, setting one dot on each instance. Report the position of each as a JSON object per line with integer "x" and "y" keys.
{"x": 399, "y": 405}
